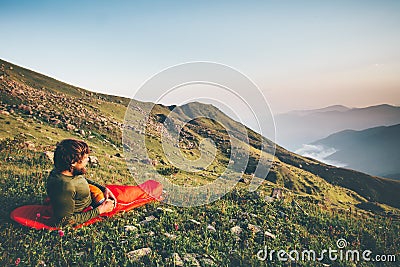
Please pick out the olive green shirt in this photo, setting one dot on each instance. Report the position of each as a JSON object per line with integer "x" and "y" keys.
{"x": 69, "y": 196}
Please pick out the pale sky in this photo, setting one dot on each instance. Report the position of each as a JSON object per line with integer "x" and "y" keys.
{"x": 301, "y": 54}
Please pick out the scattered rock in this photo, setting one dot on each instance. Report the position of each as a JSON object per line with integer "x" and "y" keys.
{"x": 170, "y": 236}
{"x": 277, "y": 193}
{"x": 130, "y": 228}
{"x": 70, "y": 127}
{"x": 79, "y": 254}
{"x": 236, "y": 230}
{"x": 151, "y": 233}
{"x": 269, "y": 199}
{"x": 164, "y": 209}
{"x": 48, "y": 155}
{"x": 211, "y": 228}
{"x": 30, "y": 135}
{"x": 269, "y": 234}
{"x": 29, "y": 145}
{"x": 135, "y": 255}
{"x": 150, "y": 218}
{"x": 55, "y": 121}
{"x": 93, "y": 161}
{"x": 194, "y": 221}
{"x": 146, "y": 161}
{"x": 132, "y": 168}
{"x": 4, "y": 112}
{"x": 147, "y": 220}
{"x": 208, "y": 262}
{"x": 177, "y": 259}
{"x": 134, "y": 160}
{"x": 254, "y": 228}
{"x": 191, "y": 260}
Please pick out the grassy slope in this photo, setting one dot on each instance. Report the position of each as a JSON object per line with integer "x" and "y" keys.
{"x": 23, "y": 173}
{"x": 371, "y": 188}
{"x": 107, "y": 243}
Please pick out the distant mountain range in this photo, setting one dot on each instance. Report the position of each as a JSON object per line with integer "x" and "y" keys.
{"x": 375, "y": 151}
{"x": 296, "y": 128}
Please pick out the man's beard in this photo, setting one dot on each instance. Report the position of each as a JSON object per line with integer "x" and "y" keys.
{"x": 76, "y": 171}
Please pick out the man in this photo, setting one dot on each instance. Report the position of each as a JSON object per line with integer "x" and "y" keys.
{"x": 70, "y": 192}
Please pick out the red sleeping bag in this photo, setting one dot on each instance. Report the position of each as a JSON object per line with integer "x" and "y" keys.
{"x": 128, "y": 197}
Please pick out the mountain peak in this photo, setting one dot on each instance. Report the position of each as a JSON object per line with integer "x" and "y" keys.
{"x": 338, "y": 108}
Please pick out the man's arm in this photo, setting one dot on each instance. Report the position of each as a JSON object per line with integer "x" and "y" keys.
{"x": 105, "y": 190}
{"x": 63, "y": 206}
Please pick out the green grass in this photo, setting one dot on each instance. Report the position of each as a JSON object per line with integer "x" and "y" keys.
{"x": 23, "y": 176}
{"x": 325, "y": 194}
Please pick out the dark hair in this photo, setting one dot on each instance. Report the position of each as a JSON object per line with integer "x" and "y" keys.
{"x": 69, "y": 151}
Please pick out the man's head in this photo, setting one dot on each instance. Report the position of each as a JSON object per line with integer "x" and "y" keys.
{"x": 71, "y": 155}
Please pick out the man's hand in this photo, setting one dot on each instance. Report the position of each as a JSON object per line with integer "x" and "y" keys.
{"x": 109, "y": 195}
{"x": 106, "y": 206}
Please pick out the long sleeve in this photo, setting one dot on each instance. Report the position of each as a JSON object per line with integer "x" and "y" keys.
{"x": 69, "y": 196}
{"x": 64, "y": 204}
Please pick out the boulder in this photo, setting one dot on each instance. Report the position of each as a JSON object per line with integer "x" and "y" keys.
{"x": 70, "y": 127}
{"x": 49, "y": 155}
{"x": 93, "y": 161}
{"x": 130, "y": 228}
{"x": 236, "y": 230}
{"x": 254, "y": 228}
{"x": 29, "y": 145}
{"x": 135, "y": 255}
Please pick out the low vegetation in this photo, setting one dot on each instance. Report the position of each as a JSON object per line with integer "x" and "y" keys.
{"x": 319, "y": 206}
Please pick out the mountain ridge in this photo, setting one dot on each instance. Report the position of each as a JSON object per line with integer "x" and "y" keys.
{"x": 378, "y": 146}
{"x": 295, "y": 130}
{"x": 103, "y": 118}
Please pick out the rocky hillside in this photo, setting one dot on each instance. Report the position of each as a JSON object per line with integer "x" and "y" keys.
{"x": 97, "y": 117}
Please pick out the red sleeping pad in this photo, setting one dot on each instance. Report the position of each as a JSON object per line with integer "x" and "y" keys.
{"x": 128, "y": 197}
